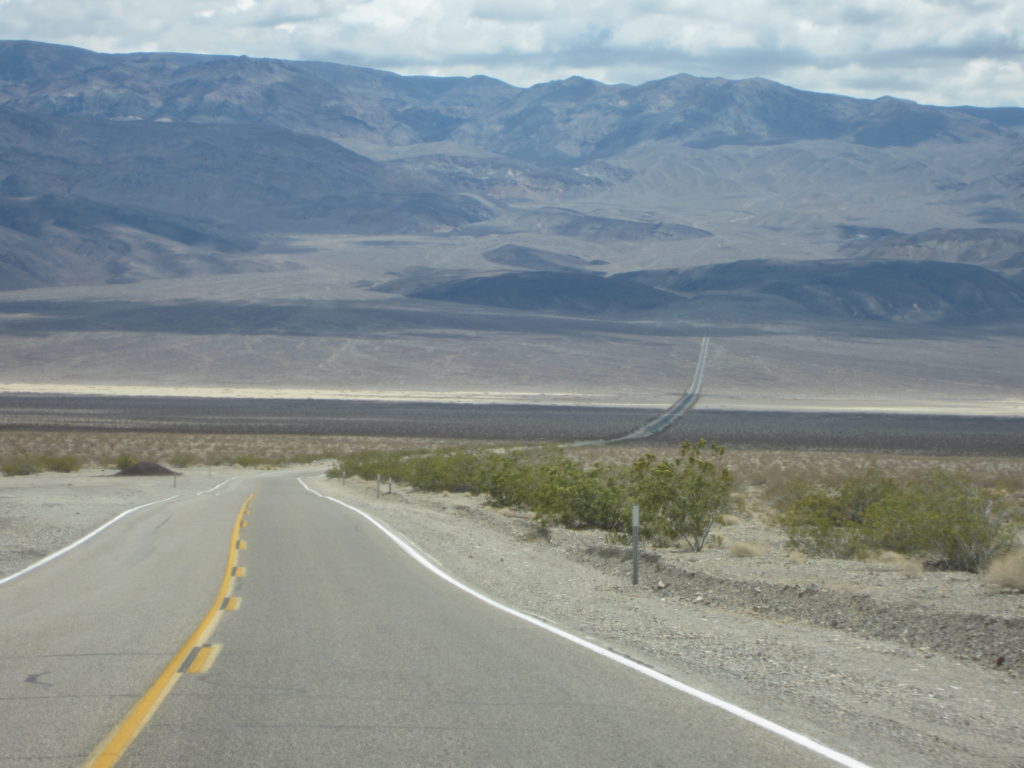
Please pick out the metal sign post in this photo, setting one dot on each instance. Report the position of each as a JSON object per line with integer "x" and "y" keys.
{"x": 636, "y": 544}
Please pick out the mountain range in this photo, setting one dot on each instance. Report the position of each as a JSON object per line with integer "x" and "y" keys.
{"x": 135, "y": 166}
{"x": 685, "y": 200}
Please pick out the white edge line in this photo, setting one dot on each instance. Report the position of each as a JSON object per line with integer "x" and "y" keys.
{"x": 768, "y": 725}
{"x": 218, "y": 485}
{"x": 72, "y": 545}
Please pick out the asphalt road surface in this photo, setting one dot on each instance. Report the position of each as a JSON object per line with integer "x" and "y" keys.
{"x": 335, "y": 648}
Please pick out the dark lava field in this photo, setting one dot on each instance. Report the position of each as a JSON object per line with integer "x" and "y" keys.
{"x": 926, "y": 434}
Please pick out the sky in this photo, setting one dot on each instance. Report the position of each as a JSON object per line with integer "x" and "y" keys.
{"x": 947, "y": 52}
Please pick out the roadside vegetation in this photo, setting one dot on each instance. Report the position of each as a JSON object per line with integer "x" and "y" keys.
{"x": 923, "y": 513}
{"x": 943, "y": 518}
{"x": 682, "y": 496}
{"x": 29, "y": 452}
{"x": 962, "y": 513}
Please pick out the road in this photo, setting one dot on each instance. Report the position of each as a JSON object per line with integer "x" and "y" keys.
{"x": 333, "y": 646}
{"x": 681, "y": 406}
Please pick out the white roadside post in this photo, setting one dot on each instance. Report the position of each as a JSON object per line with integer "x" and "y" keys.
{"x": 636, "y": 544}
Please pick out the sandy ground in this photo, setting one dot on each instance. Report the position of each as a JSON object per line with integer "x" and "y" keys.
{"x": 413, "y": 396}
{"x": 807, "y": 643}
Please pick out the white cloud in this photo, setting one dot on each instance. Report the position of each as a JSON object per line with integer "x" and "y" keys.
{"x": 937, "y": 51}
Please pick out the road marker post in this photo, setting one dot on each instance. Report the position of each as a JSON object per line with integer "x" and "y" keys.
{"x": 636, "y": 544}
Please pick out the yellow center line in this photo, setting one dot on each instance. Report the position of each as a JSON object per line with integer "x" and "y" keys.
{"x": 203, "y": 659}
{"x": 110, "y": 750}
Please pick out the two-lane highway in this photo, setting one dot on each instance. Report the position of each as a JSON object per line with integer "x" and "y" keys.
{"x": 343, "y": 650}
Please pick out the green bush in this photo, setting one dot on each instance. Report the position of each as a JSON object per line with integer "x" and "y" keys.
{"x": 507, "y": 479}
{"x": 183, "y": 459}
{"x": 828, "y": 521}
{"x": 555, "y": 488}
{"x": 940, "y": 517}
{"x": 367, "y": 464}
{"x": 64, "y": 463}
{"x": 682, "y": 498}
{"x": 456, "y": 471}
{"x": 124, "y": 460}
{"x": 22, "y": 465}
{"x": 31, "y": 464}
{"x": 565, "y": 493}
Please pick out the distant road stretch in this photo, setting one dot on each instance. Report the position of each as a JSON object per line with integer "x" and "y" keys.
{"x": 681, "y": 406}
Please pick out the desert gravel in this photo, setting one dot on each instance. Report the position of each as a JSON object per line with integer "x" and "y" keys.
{"x": 818, "y": 646}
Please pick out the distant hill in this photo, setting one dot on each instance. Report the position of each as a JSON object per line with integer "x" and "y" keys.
{"x": 919, "y": 291}
{"x": 523, "y": 257}
{"x": 552, "y": 292}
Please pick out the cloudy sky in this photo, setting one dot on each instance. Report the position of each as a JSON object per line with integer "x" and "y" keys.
{"x": 931, "y": 51}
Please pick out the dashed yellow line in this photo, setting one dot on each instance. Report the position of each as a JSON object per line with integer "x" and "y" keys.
{"x": 203, "y": 659}
{"x": 110, "y": 750}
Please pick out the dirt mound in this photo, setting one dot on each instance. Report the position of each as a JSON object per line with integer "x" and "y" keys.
{"x": 145, "y": 469}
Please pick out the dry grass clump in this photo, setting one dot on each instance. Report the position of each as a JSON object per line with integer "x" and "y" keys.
{"x": 745, "y": 549}
{"x": 911, "y": 567}
{"x": 797, "y": 557}
{"x": 1007, "y": 571}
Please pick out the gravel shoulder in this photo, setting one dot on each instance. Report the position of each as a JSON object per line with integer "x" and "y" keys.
{"x": 893, "y": 669}
{"x": 42, "y": 513}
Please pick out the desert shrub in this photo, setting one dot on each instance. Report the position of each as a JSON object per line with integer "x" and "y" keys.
{"x": 124, "y": 460}
{"x": 567, "y": 494}
{"x": 557, "y": 489}
{"x": 31, "y": 464}
{"x": 65, "y": 463}
{"x": 368, "y": 464}
{"x": 253, "y": 461}
{"x": 953, "y": 523}
{"x": 827, "y": 521}
{"x": 1007, "y": 570}
{"x": 457, "y": 471}
{"x": 183, "y": 459}
{"x": 22, "y": 465}
{"x": 508, "y": 479}
{"x": 941, "y": 517}
{"x": 682, "y": 497}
